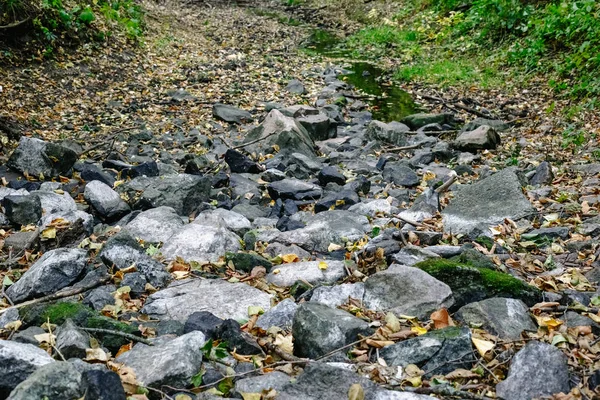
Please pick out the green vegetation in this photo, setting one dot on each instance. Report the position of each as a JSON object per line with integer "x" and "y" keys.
{"x": 44, "y": 26}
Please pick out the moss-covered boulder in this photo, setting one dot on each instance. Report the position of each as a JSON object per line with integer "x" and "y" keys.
{"x": 247, "y": 261}
{"x": 470, "y": 283}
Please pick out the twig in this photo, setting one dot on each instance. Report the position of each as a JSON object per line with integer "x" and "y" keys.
{"x": 118, "y": 333}
{"x": 446, "y": 185}
{"x": 52, "y": 344}
{"x": 60, "y": 295}
{"x": 112, "y": 135}
{"x": 471, "y": 111}
{"x": 159, "y": 392}
{"x": 344, "y": 347}
{"x": 254, "y": 141}
{"x": 415, "y": 223}
{"x": 412, "y": 146}
{"x": 14, "y": 24}
{"x": 282, "y": 354}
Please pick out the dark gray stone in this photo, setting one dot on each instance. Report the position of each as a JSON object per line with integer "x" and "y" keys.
{"x": 231, "y": 114}
{"x": 70, "y": 341}
{"x": 239, "y": 163}
{"x": 400, "y": 174}
{"x": 483, "y": 138}
{"x": 331, "y": 174}
{"x": 281, "y": 316}
{"x": 17, "y": 362}
{"x": 416, "y": 121}
{"x": 102, "y": 385}
{"x": 99, "y": 297}
{"x": 257, "y": 384}
{"x": 242, "y": 342}
{"x": 22, "y": 210}
{"x": 37, "y": 157}
{"x": 296, "y": 87}
{"x": 294, "y": 189}
{"x": 561, "y": 232}
{"x": 537, "y": 370}
{"x": 498, "y": 125}
{"x": 394, "y": 132}
{"x": 59, "y": 380}
{"x": 543, "y": 175}
{"x": 319, "y": 126}
{"x": 92, "y": 172}
{"x": 205, "y": 322}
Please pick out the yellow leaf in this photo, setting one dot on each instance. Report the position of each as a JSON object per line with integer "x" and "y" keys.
{"x": 594, "y": 317}
{"x": 482, "y": 346}
{"x": 392, "y": 322}
{"x": 251, "y": 396}
{"x": 49, "y": 233}
{"x": 419, "y": 330}
{"x": 285, "y": 343}
{"x": 549, "y": 322}
{"x": 276, "y": 271}
{"x": 290, "y": 258}
{"x": 356, "y": 392}
{"x": 45, "y": 337}
{"x": 334, "y": 247}
{"x": 96, "y": 355}
{"x": 323, "y": 265}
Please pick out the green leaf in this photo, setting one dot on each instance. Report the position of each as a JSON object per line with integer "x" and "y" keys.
{"x": 7, "y": 281}
{"x": 595, "y": 301}
{"x": 375, "y": 232}
{"x": 197, "y": 379}
{"x": 557, "y": 339}
{"x": 87, "y": 16}
{"x": 207, "y": 348}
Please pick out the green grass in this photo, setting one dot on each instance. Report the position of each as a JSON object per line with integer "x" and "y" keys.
{"x": 448, "y": 72}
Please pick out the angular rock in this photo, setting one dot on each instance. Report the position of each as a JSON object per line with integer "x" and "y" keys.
{"x": 340, "y": 200}
{"x": 313, "y": 272}
{"x": 437, "y": 352}
{"x": 170, "y": 362}
{"x": 537, "y": 370}
{"x": 70, "y": 341}
{"x": 318, "y": 329}
{"x": 231, "y": 220}
{"x": 393, "y": 132}
{"x": 319, "y": 126}
{"x": 103, "y": 385}
{"x": 294, "y": 189}
{"x": 37, "y": 157}
{"x": 257, "y": 384}
{"x": 543, "y": 175}
{"x": 54, "y": 202}
{"x": 561, "y": 232}
{"x": 231, "y": 114}
{"x": 245, "y": 262}
{"x": 239, "y": 163}
{"x": 334, "y": 296}
{"x": 22, "y": 210}
{"x": 400, "y": 174}
{"x": 480, "y": 205}
{"x": 92, "y": 172}
{"x": 296, "y": 87}
{"x": 55, "y": 270}
{"x": 205, "y": 322}
{"x": 17, "y": 362}
{"x": 281, "y": 316}
{"x": 483, "y": 138}
{"x": 416, "y": 121}
{"x": 201, "y": 243}
{"x": 237, "y": 340}
{"x": 410, "y": 255}
{"x": 105, "y": 201}
{"x": 498, "y": 125}
{"x": 100, "y": 297}
{"x": 74, "y": 217}
{"x": 51, "y": 381}
{"x": 182, "y": 192}
{"x": 156, "y": 225}
{"x": 371, "y": 208}
{"x": 406, "y": 290}
{"x": 331, "y": 174}
{"x": 505, "y": 318}
{"x": 148, "y": 168}
{"x": 225, "y": 300}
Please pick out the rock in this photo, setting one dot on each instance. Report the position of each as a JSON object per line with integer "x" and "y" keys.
{"x": 543, "y": 175}
{"x": 22, "y": 210}
{"x": 339, "y": 200}
{"x": 51, "y": 381}
{"x": 226, "y": 300}
{"x": 416, "y": 121}
{"x": 280, "y": 249}
{"x": 228, "y": 219}
{"x": 480, "y": 205}
{"x": 237, "y": 340}
{"x": 70, "y": 341}
{"x": 294, "y": 189}
{"x": 281, "y": 316}
{"x": 106, "y": 202}
{"x": 318, "y": 329}
{"x": 400, "y": 174}
{"x": 240, "y": 163}
{"x": 54, "y": 202}
{"x": 231, "y": 114}
{"x": 574, "y": 319}
{"x": 331, "y": 174}
{"x": 410, "y": 255}
{"x": 285, "y": 132}
{"x": 170, "y": 362}
{"x": 505, "y": 318}
{"x": 201, "y": 243}
{"x": 245, "y": 262}
{"x": 296, "y": 87}
{"x": 156, "y": 225}
{"x": 393, "y": 132}
{"x": 53, "y": 271}
{"x": 537, "y": 370}
{"x": 334, "y": 296}
{"x": 182, "y": 192}
{"x": 17, "y": 362}
{"x": 590, "y": 227}
{"x": 313, "y": 272}
{"x": 92, "y": 172}
{"x": 37, "y": 157}
{"x": 561, "y": 232}
{"x": 406, "y": 290}
{"x": 103, "y": 385}
{"x": 10, "y": 315}
{"x": 73, "y": 217}
{"x": 371, "y": 208}
{"x": 28, "y": 335}
{"x": 319, "y": 126}
{"x": 482, "y": 138}
{"x": 99, "y": 297}
{"x": 257, "y": 384}
{"x": 205, "y": 322}
{"x": 148, "y": 168}
{"x": 437, "y": 352}
{"x": 498, "y": 125}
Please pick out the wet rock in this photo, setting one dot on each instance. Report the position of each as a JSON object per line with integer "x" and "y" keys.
{"x": 173, "y": 361}
{"x": 505, "y": 318}
{"x": 70, "y": 341}
{"x": 437, "y": 352}
{"x": 155, "y": 225}
{"x": 480, "y": 205}
{"x": 281, "y": 316}
{"x": 239, "y": 163}
{"x": 543, "y": 175}
{"x": 17, "y": 362}
{"x": 313, "y": 272}
{"x": 182, "y": 192}
{"x": 334, "y": 296}
{"x": 22, "y": 210}
{"x": 318, "y": 329}
{"x": 537, "y": 370}
{"x": 226, "y": 300}
{"x": 406, "y": 290}
{"x": 37, "y": 157}
{"x": 294, "y": 189}
{"x": 394, "y": 132}
{"x": 400, "y": 174}
{"x": 201, "y": 243}
{"x": 53, "y": 271}
{"x": 51, "y": 381}
{"x": 482, "y": 138}
{"x": 231, "y": 114}
{"x": 102, "y": 385}
{"x": 106, "y": 202}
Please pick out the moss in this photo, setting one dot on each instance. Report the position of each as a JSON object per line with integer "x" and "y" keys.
{"x": 474, "y": 258}
{"x": 57, "y": 313}
{"x": 451, "y": 332}
{"x": 112, "y": 342}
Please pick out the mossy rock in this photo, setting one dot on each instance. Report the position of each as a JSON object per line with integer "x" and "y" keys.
{"x": 299, "y": 288}
{"x": 470, "y": 283}
{"x": 111, "y": 342}
{"x": 472, "y": 257}
{"x": 57, "y": 313}
{"x": 247, "y": 261}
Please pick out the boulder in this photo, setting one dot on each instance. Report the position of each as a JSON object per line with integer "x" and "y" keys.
{"x": 483, "y": 138}
{"x": 201, "y": 243}
{"x": 281, "y": 316}
{"x": 319, "y": 126}
{"x": 17, "y": 362}
{"x": 294, "y": 189}
{"x": 224, "y": 299}
{"x": 156, "y": 225}
{"x": 22, "y": 210}
{"x": 37, "y": 157}
{"x": 394, "y": 132}
{"x": 313, "y": 272}
{"x": 105, "y": 201}
{"x": 231, "y": 114}
{"x": 334, "y": 296}
{"x": 296, "y": 87}
{"x": 53, "y": 271}
{"x": 58, "y": 380}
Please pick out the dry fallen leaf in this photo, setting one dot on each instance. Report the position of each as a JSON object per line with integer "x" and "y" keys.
{"x": 482, "y": 346}
{"x": 441, "y": 319}
{"x": 356, "y": 392}
{"x": 290, "y": 258}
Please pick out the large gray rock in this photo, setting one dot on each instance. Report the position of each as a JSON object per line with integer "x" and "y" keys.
{"x": 416, "y": 121}
{"x": 225, "y": 300}
{"x": 313, "y": 272}
{"x": 170, "y": 361}
{"x": 437, "y": 352}
{"x": 275, "y": 380}
{"x": 53, "y": 271}
{"x": 394, "y": 132}
{"x": 155, "y": 225}
{"x": 400, "y": 174}
{"x": 22, "y": 209}
{"x": 59, "y": 380}
{"x": 294, "y": 189}
{"x": 54, "y": 202}
{"x": 201, "y": 243}
{"x": 231, "y": 114}
{"x": 406, "y": 290}
{"x": 70, "y": 216}
{"x": 37, "y": 157}
{"x": 17, "y": 362}
{"x": 319, "y": 125}
{"x": 105, "y": 201}
{"x": 505, "y": 318}
{"x": 482, "y": 138}
{"x": 480, "y": 205}
{"x": 537, "y": 370}
{"x": 319, "y": 329}
{"x": 285, "y": 132}
{"x": 231, "y": 220}
{"x": 282, "y": 315}
{"x": 182, "y": 192}
{"x": 337, "y": 295}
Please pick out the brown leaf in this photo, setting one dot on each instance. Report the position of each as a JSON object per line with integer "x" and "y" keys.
{"x": 356, "y": 392}
{"x": 441, "y": 319}
{"x": 462, "y": 374}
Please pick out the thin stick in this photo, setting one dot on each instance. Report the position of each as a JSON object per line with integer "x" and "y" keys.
{"x": 113, "y": 135}
{"x": 442, "y": 390}
{"x": 446, "y": 185}
{"x": 254, "y": 141}
{"x": 117, "y": 333}
{"x": 412, "y": 146}
{"x": 415, "y": 223}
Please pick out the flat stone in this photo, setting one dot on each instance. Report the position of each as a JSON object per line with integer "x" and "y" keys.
{"x": 231, "y": 114}
{"x": 201, "y": 243}
{"x": 294, "y": 189}
{"x": 225, "y": 300}
{"x": 482, "y": 138}
{"x": 156, "y": 225}
{"x": 309, "y": 271}
{"x": 394, "y": 132}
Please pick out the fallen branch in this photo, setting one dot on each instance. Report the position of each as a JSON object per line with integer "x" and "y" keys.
{"x": 415, "y": 223}
{"x": 254, "y": 141}
{"x": 14, "y": 24}
{"x": 446, "y": 185}
{"x": 118, "y": 333}
{"x": 442, "y": 390}
{"x": 60, "y": 295}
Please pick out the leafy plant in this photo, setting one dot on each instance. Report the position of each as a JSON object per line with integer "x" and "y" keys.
{"x": 214, "y": 351}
